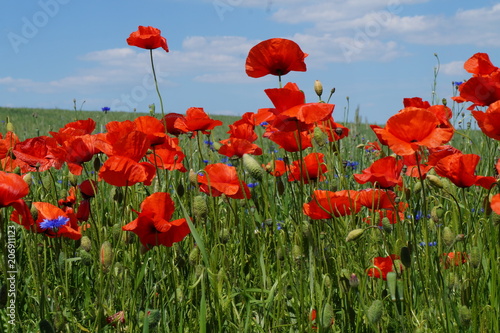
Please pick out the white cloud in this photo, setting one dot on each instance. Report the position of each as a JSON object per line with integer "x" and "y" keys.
{"x": 454, "y": 68}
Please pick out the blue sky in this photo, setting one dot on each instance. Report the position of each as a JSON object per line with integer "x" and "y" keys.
{"x": 376, "y": 52}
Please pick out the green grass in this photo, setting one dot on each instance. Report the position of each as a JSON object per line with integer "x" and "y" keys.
{"x": 257, "y": 265}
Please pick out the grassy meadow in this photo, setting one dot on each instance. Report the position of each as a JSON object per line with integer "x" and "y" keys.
{"x": 257, "y": 264}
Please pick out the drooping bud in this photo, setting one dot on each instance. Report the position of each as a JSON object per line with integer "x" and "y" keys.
{"x": 434, "y": 181}
{"x": 391, "y": 284}
{"x": 437, "y": 212}
{"x": 194, "y": 255}
{"x": 327, "y": 317}
{"x": 200, "y": 208}
{"x": 475, "y": 257}
{"x": 386, "y": 224}
{"x": 319, "y": 136}
{"x": 448, "y": 236}
{"x": 85, "y": 243}
{"x": 254, "y": 167}
{"x": 106, "y": 255}
{"x": 28, "y": 178}
{"x": 354, "y": 234}
{"x": 375, "y": 311}
{"x": 193, "y": 178}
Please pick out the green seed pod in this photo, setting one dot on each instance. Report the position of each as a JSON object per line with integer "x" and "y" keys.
{"x": 417, "y": 187}
{"x": 254, "y": 167}
{"x": 327, "y": 317}
{"x": 475, "y": 257}
{"x": 194, "y": 255}
{"x": 375, "y": 311}
{"x": 448, "y": 236}
{"x": 465, "y": 315}
{"x": 391, "y": 284}
{"x": 437, "y": 212}
{"x": 296, "y": 252}
{"x": 354, "y": 234}
{"x": 200, "y": 208}
{"x": 85, "y": 243}
{"x": 434, "y": 181}
{"x": 106, "y": 255}
{"x": 386, "y": 224}
{"x": 319, "y": 137}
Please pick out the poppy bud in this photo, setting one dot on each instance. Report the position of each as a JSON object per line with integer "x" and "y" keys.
{"x": 280, "y": 186}
{"x": 318, "y": 88}
{"x": 200, "y": 208}
{"x": 28, "y": 178}
{"x": 319, "y": 137}
{"x": 327, "y": 317}
{"x": 106, "y": 255}
{"x": 85, "y": 257}
{"x": 434, "y": 181}
{"x": 475, "y": 257}
{"x": 72, "y": 179}
{"x": 97, "y": 163}
{"x": 406, "y": 256}
{"x": 399, "y": 285}
{"x": 448, "y": 236}
{"x": 386, "y": 224}
{"x": 445, "y": 102}
{"x": 194, "y": 255}
{"x": 354, "y": 234}
{"x": 180, "y": 190}
{"x": 85, "y": 243}
{"x": 252, "y": 166}
{"x": 391, "y": 284}
{"x": 375, "y": 311}
{"x": 296, "y": 252}
{"x": 152, "y": 109}
{"x": 437, "y": 213}
{"x": 193, "y": 178}
{"x": 417, "y": 187}
{"x": 327, "y": 282}
{"x": 464, "y": 314}
{"x": 154, "y": 317}
{"x": 224, "y": 235}
{"x": 353, "y": 281}
{"x": 9, "y": 127}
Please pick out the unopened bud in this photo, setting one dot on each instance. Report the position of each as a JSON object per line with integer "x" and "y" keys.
{"x": 319, "y": 136}
{"x": 193, "y": 178}
{"x": 106, "y": 255}
{"x": 85, "y": 243}
{"x": 475, "y": 257}
{"x": 391, "y": 284}
{"x": 354, "y": 234}
{"x": 252, "y": 166}
{"x": 318, "y": 88}
{"x": 434, "y": 181}
{"x": 448, "y": 236}
{"x": 375, "y": 311}
{"x": 200, "y": 208}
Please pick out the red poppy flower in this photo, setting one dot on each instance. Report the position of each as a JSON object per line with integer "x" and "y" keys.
{"x": 238, "y": 147}
{"x": 147, "y": 38}
{"x": 495, "y": 203}
{"x": 88, "y": 189}
{"x": 79, "y": 149}
{"x": 416, "y": 102}
{"x": 327, "y": 204}
{"x": 373, "y": 146}
{"x": 74, "y": 129}
{"x": 440, "y": 152}
{"x": 394, "y": 215}
{"x": 123, "y": 167}
{"x": 70, "y": 200}
{"x": 460, "y": 170}
{"x": 153, "y": 225}
{"x": 196, "y": 120}
{"x": 276, "y": 56}
{"x": 244, "y": 128}
{"x": 311, "y": 168}
{"x": 152, "y": 127}
{"x": 411, "y": 128}
{"x": 276, "y": 168}
{"x": 169, "y": 121}
{"x": 383, "y": 266}
{"x": 489, "y": 121}
{"x": 12, "y": 189}
{"x": 83, "y": 211}
{"x": 454, "y": 259}
{"x": 7, "y": 144}
{"x": 484, "y": 87}
{"x": 384, "y": 173}
{"x": 290, "y": 141}
{"x": 415, "y": 167}
{"x": 376, "y": 198}
{"x": 54, "y": 222}
{"x": 40, "y": 154}
{"x": 219, "y": 178}
{"x": 333, "y": 130}
{"x": 168, "y": 155}
{"x": 285, "y": 98}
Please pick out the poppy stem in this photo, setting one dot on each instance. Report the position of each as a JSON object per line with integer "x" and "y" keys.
{"x": 156, "y": 83}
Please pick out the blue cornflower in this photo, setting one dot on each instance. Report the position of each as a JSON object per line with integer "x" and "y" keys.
{"x": 457, "y": 83}
{"x": 208, "y": 142}
{"x": 264, "y": 123}
{"x": 351, "y": 164}
{"x": 206, "y": 161}
{"x": 279, "y": 226}
{"x": 224, "y": 160}
{"x": 105, "y": 109}
{"x": 54, "y": 223}
{"x": 252, "y": 185}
